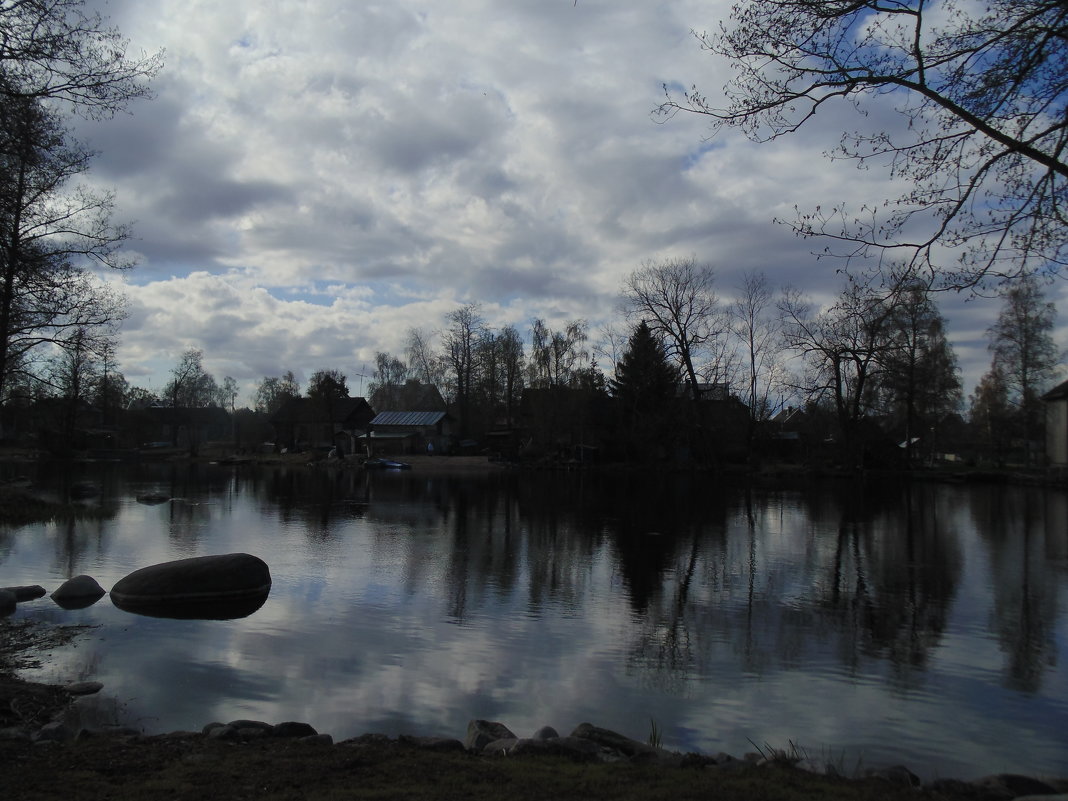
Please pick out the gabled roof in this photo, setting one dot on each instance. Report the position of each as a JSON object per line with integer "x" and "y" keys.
{"x": 1059, "y": 392}
{"x": 407, "y": 418}
{"x": 305, "y": 410}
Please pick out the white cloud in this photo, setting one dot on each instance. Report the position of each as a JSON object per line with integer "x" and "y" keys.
{"x": 418, "y": 155}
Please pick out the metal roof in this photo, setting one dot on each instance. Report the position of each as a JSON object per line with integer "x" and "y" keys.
{"x": 407, "y": 418}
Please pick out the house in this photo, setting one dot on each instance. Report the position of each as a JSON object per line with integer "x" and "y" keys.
{"x": 409, "y": 432}
{"x": 1056, "y": 401}
{"x": 307, "y": 423}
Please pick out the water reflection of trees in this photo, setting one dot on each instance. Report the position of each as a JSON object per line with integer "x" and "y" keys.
{"x": 710, "y": 577}
{"x": 1024, "y": 612}
{"x": 789, "y": 579}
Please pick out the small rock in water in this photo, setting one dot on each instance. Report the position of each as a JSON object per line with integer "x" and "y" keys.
{"x": 78, "y": 592}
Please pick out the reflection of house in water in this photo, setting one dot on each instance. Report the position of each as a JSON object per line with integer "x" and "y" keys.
{"x": 311, "y": 423}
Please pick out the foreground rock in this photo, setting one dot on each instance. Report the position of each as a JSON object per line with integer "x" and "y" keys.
{"x": 220, "y": 587}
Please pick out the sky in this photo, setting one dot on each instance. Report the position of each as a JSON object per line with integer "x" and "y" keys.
{"x": 314, "y": 178}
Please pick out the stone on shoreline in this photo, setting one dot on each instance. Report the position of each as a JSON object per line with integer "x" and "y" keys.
{"x": 291, "y": 728}
{"x": 605, "y": 738}
{"x": 481, "y": 733}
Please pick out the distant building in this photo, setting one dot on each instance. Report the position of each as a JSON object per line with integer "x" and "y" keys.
{"x": 1057, "y": 425}
{"x": 393, "y": 432}
{"x": 307, "y": 423}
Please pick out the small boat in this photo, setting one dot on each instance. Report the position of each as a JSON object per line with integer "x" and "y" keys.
{"x": 385, "y": 464}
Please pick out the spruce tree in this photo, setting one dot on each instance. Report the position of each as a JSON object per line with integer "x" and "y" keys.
{"x": 646, "y": 380}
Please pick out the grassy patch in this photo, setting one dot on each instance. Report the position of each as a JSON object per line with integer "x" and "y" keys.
{"x": 193, "y": 767}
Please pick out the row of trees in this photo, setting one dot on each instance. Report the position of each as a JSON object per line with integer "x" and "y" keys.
{"x": 873, "y": 354}
{"x": 876, "y": 352}
{"x": 55, "y": 315}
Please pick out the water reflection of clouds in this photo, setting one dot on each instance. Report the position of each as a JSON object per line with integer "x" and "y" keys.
{"x": 866, "y": 628}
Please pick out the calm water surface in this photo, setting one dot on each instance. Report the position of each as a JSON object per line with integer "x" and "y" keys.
{"x": 923, "y": 626}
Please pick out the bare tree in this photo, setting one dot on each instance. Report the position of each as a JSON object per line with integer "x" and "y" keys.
{"x": 981, "y": 91}
{"x": 842, "y": 346}
{"x": 47, "y": 232}
{"x": 677, "y": 300}
{"x": 465, "y": 327}
{"x": 73, "y": 370}
{"x": 389, "y": 376}
{"x": 991, "y": 413}
{"x": 1024, "y": 352}
{"x": 110, "y": 390}
{"x": 273, "y": 392}
{"x": 55, "y": 49}
{"x": 423, "y": 358}
{"x": 612, "y": 342}
{"x": 920, "y": 381}
{"x": 556, "y": 356}
{"x": 191, "y": 386}
{"x": 760, "y": 333}
{"x": 510, "y": 346}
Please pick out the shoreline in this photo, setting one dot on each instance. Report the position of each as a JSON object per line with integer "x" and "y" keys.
{"x": 37, "y": 725}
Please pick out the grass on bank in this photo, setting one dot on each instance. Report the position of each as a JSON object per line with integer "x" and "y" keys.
{"x": 194, "y": 767}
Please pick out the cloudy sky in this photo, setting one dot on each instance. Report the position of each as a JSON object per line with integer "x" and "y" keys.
{"x": 313, "y": 178}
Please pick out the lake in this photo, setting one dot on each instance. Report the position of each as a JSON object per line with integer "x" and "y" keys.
{"x": 870, "y": 624}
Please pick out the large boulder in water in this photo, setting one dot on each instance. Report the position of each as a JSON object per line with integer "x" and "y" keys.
{"x": 224, "y": 586}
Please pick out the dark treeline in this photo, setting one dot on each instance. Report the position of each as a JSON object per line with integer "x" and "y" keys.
{"x": 688, "y": 377}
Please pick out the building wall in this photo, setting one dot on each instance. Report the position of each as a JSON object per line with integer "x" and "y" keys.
{"x": 1057, "y": 432}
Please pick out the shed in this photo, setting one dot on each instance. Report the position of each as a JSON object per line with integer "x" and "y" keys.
{"x": 409, "y": 432}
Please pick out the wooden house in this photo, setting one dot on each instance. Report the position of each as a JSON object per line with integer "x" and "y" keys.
{"x": 308, "y": 424}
